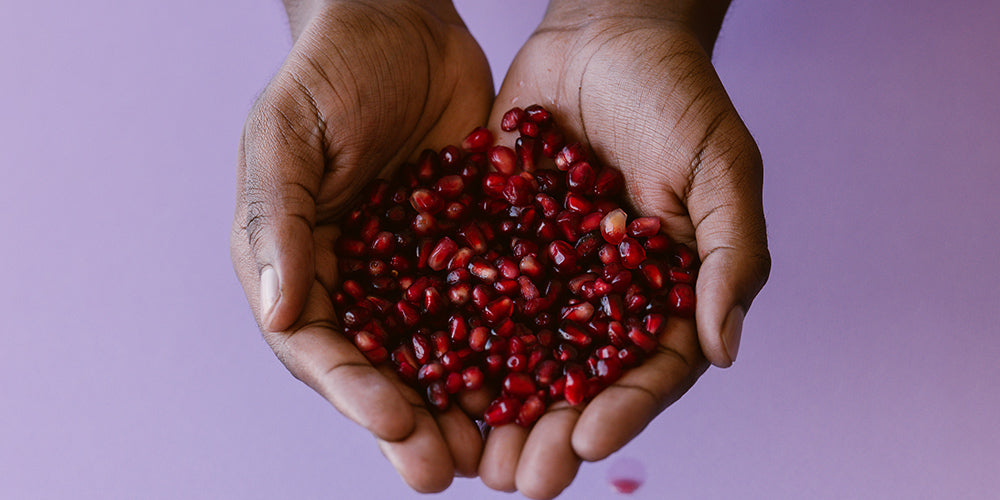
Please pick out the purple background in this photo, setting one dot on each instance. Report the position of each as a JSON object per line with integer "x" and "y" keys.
{"x": 130, "y": 366}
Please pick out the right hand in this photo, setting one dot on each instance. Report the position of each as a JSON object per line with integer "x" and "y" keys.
{"x": 367, "y": 86}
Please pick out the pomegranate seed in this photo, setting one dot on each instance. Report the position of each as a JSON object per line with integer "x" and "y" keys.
{"x": 518, "y": 384}
{"x": 644, "y": 227}
{"x": 453, "y": 383}
{"x": 573, "y": 334}
{"x": 631, "y": 252}
{"x": 580, "y": 177}
{"x": 459, "y": 294}
{"x": 498, "y": 309}
{"x": 628, "y": 356}
{"x": 531, "y": 411}
{"x": 424, "y": 224}
{"x": 613, "y": 307}
{"x": 430, "y": 372}
{"x": 512, "y": 119}
{"x": 478, "y": 141}
{"x": 437, "y": 396}
{"x": 450, "y": 158}
{"x": 681, "y": 300}
{"x": 493, "y": 184}
{"x": 552, "y": 142}
{"x": 578, "y": 204}
{"x": 517, "y": 362}
{"x": 538, "y": 114}
{"x": 442, "y": 253}
{"x": 579, "y": 313}
{"x": 473, "y": 378}
{"x": 377, "y": 355}
{"x": 591, "y": 222}
{"x": 684, "y": 257}
{"x": 642, "y": 340}
{"x": 653, "y": 273}
{"x": 478, "y": 338}
{"x": 576, "y": 385}
{"x": 613, "y": 227}
{"x": 527, "y": 152}
{"x": 654, "y": 323}
{"x": 608, "y": 183}
{"x": 608, "y": 351}
{"x": 557, "y": 388}
{"x": 434, "y": 303}
{"x": 563, "y": 256}
{"x": 502, "y": 410}
{"x": 658, "y": 243}
{"x": 450, "y": 187}
{"x": 406, "y": 312}
{"x": 482, "y": 295}
{"x": 494, "y": 362}
{"x": 366, "y": 341}
{"x": 425, "y": 200}
{"x": 518, "y": 191}
{"x": 549, "y": 182}
{"x": 678, "y": 275}
{"x": 522, "y": 248}
{"x": 482, "y": 269}
{"x": 569, "y": 155}
{"x": 529, "y": 129}
{"x": 503, "y": 159}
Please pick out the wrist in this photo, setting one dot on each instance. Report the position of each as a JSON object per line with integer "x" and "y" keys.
{"x": 703, "y": 18}
{"x": 301, "y": 12}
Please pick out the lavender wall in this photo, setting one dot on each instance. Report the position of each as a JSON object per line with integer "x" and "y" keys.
{"x": 130, "y": 366}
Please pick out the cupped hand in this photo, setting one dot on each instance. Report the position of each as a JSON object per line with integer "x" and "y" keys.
{"x": 641, "y": 91}
{"x": 367, "y": 86}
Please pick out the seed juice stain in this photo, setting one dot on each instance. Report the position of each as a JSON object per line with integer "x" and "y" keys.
{"x": 626, "y": 475}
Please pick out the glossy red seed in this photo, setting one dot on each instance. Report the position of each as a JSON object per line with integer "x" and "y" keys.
{"x": 437, "y": 396}
{"x": 552, "y": 143}
{"x": 517, "y": 362}
{"x": 450, "y": 186}
{"x": 681, "y": 300}
{"x": 430, "y": 372}
{"x": 644, "y": 227}
{"x": 473, "y": 378}
{"x": 518, "y": 191}
{"x": 569, "y": 155}
{"x": 366, "y": 341}
{"x": 501, "y": 411}
{"x": 531, "y": 411}
{"x": 563, "y": 256}
{"x": 578, "y": 313}
{"x": 478, "y": 338}
{"x": 608, "y": 183}
{"x": 483, "y": 270}
{"x": 653, "y": 273}
{"x": 538, "y": 114}
{"x": 425, "y": 200}
{"x": 527, "y": 149}
{"x": 631, "y": 252}
{"x": 498, "y": 309}
{"x": 576, "y": 385}
{"x": 377, "y": 356}
{"x": 478, "y": 141}
{"x": 518, "y": 384}
{"x": 512, "y": 119}
{"x": 613, "y": 226}
{"x": 442, "y": 254}
{"x": 529, "y": 129}
{"x": 658, "y": 244}
{"x": 493, "y": 184}
{"x": 684, "y": 257}
{"x": 580, "y": 177}
{"x": 678, "y": 275}
{"x": 641, "y": 339}
{"x": 572, "y": 333}
{"x": 503, "y": 159}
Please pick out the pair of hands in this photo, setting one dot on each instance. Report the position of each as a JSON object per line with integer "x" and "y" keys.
{"x": 370, "y": 84}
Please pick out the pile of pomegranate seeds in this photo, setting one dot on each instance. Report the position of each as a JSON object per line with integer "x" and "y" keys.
{"x": 529, "y": 281}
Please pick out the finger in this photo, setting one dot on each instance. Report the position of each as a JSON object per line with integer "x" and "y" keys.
{"x": 548, "y": 463}
{"x": 280, "y": 168}
{"x": 622, "y": 410}
{"x": 423, "y": 459}
{"x": 498, "y": 467}
{"x": 463, "y": 438}
{"x": 426, "y": 459}
{"x": 726, "y": 208}
{"x": 315, "y": 352}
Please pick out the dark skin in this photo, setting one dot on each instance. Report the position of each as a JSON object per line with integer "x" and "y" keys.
{"x": 368, "y": 85}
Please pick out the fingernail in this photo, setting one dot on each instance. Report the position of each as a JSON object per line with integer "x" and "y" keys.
{"x": 268, "y": 290}
{"x": 732, "y": 330}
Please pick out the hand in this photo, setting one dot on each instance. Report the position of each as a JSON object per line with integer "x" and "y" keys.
{"x": 367, "y": 86}
{"x": 642, "y": 92}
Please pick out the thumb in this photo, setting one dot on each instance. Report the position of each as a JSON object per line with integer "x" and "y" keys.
{"x": 279, "y": 176}
{"x": 725, "y": 203}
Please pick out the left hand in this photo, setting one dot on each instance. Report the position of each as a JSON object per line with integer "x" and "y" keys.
{"x": 642, "y": 92}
